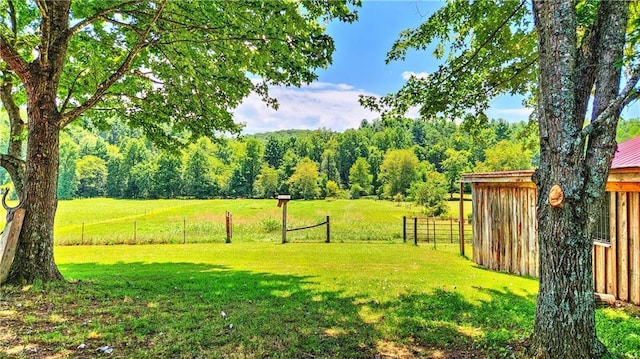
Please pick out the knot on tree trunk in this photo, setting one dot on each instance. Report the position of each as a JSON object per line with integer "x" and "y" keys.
{"x": 556, "y": 196}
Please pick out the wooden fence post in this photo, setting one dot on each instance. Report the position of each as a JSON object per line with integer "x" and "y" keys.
{"x": 229, "y": 226}
{"x": 328, "y": 231}
{"x": 404, "y": 229}
{"x": 434, "y": 231}
{"x": 415, "y": 230}
{"x": 284, "y": 223}
{"x": 461, "y": 214}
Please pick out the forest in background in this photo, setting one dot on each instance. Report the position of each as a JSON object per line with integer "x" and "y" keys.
{"x": 405, "y": 159}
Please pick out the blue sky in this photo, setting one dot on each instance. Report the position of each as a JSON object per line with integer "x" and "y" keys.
{"x": 358, "y": 68}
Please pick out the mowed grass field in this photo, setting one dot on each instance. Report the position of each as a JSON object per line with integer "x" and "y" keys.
{"x": 365, "y": 295}
{"x": 113, "y": 221}
{"x": 268, "y": 300}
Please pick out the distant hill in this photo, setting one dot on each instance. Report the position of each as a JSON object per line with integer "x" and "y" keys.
{"x": 285, "y": 134}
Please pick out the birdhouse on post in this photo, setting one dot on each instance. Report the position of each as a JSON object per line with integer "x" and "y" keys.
{"x": 282, "y": 202}
{"x": 283, "y": 199}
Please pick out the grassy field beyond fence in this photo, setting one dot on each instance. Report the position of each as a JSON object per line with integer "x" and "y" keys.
{"x": 112, "y": 221}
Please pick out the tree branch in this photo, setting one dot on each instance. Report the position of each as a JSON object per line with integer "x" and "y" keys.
{"x": 71, "y": 89}
{"x": 14, "y": 19}
{"x": 124, "y": 25}
{"x": 45, "y": 25}
{"x": 100, "y": 14}
{"x": 70, "y": 116}
{"x": 15, "y": 167}
{"x": 490, "y": 37}
{"x": 609, "y": 114}
{"x": 15, "y": 62}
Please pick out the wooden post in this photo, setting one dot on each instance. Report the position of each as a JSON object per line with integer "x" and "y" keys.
{"x": 282, "y": 202}
{"x": 461, "y": 218}
{"x": 328, "y": 231}
{"x": 404, "y": 229}
{"x": 434, "y": 232}
{"x": 415, "y": 230}
{"x": 284, "y": 223}
{"x": 229, "y": 226}
{"x": 82, "y": 236}
{"x": 184, "y": 230}
{"x": 135, "y": 232}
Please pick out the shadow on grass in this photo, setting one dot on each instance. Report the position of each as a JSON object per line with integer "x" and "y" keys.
{"x": 495, "y": 327}
{"x": 185, "y": 310}
{"x": 200, "y": 310}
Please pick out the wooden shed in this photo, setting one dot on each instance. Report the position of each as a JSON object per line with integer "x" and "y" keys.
{"x": 505, "y": 233}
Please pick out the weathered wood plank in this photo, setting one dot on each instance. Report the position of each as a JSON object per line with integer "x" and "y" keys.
{"x": 593, "y": 265}
{"x": 532, "y": 234}
{"x": 525, "y": 235}
{"x": 515, "y": 230}
{"x": 503, "y": 227}
{"x": 634, "y": 247}
{"x": 512, "y": 225}
{"x": 475, "y": 224}
{"x": 603, "y": 300}
{"x": 612, "y": 254}
{"x": 623, "y": 248}
{"x": 488, "y": 230}
{"x": 623, "y": 186}
{"x": 9, "y": 242}
{"x": 494, "y": 236}
{"x": 521, "y": 245}
{"x": 599, "y": 269}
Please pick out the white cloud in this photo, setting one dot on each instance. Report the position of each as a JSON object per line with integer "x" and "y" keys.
{"x": 320, "y": 104}
{"x": 408, "y": 74}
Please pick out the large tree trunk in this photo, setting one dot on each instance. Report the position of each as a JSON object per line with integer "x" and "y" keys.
{"x": 34, "y": 256}
{"x": 574, "y": 166}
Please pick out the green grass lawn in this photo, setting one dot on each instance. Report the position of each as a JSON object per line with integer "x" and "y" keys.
{"x": 267, "y": 300}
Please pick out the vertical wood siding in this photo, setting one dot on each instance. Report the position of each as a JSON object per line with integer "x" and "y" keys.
{"x": 505, "y": 237}
{"x": 617, "y": 267}
{"x": 507, "y": 214}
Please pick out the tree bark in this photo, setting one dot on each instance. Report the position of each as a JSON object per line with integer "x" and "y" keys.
{"x": 576, "y": 163}
{"x": 34, "y": 256}
{"x": 12, "y": 160}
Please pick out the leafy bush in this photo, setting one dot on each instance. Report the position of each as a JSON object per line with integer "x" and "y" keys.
{"x": 271, "y": 225}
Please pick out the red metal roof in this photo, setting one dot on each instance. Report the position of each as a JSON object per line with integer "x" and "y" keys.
{"x": 628, "y": 154}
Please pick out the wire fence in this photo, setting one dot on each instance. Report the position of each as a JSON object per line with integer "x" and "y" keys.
{"x": 225, "y": 227}
{"x": 434, "y": 230}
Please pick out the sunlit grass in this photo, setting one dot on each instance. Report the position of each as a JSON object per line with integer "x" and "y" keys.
{"x": 263, "y": 299}
{"x": 111, "y": 221}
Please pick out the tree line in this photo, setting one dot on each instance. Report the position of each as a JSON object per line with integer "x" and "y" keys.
{"x": 409, "y": 159}
{"x": 416, "y": 160}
